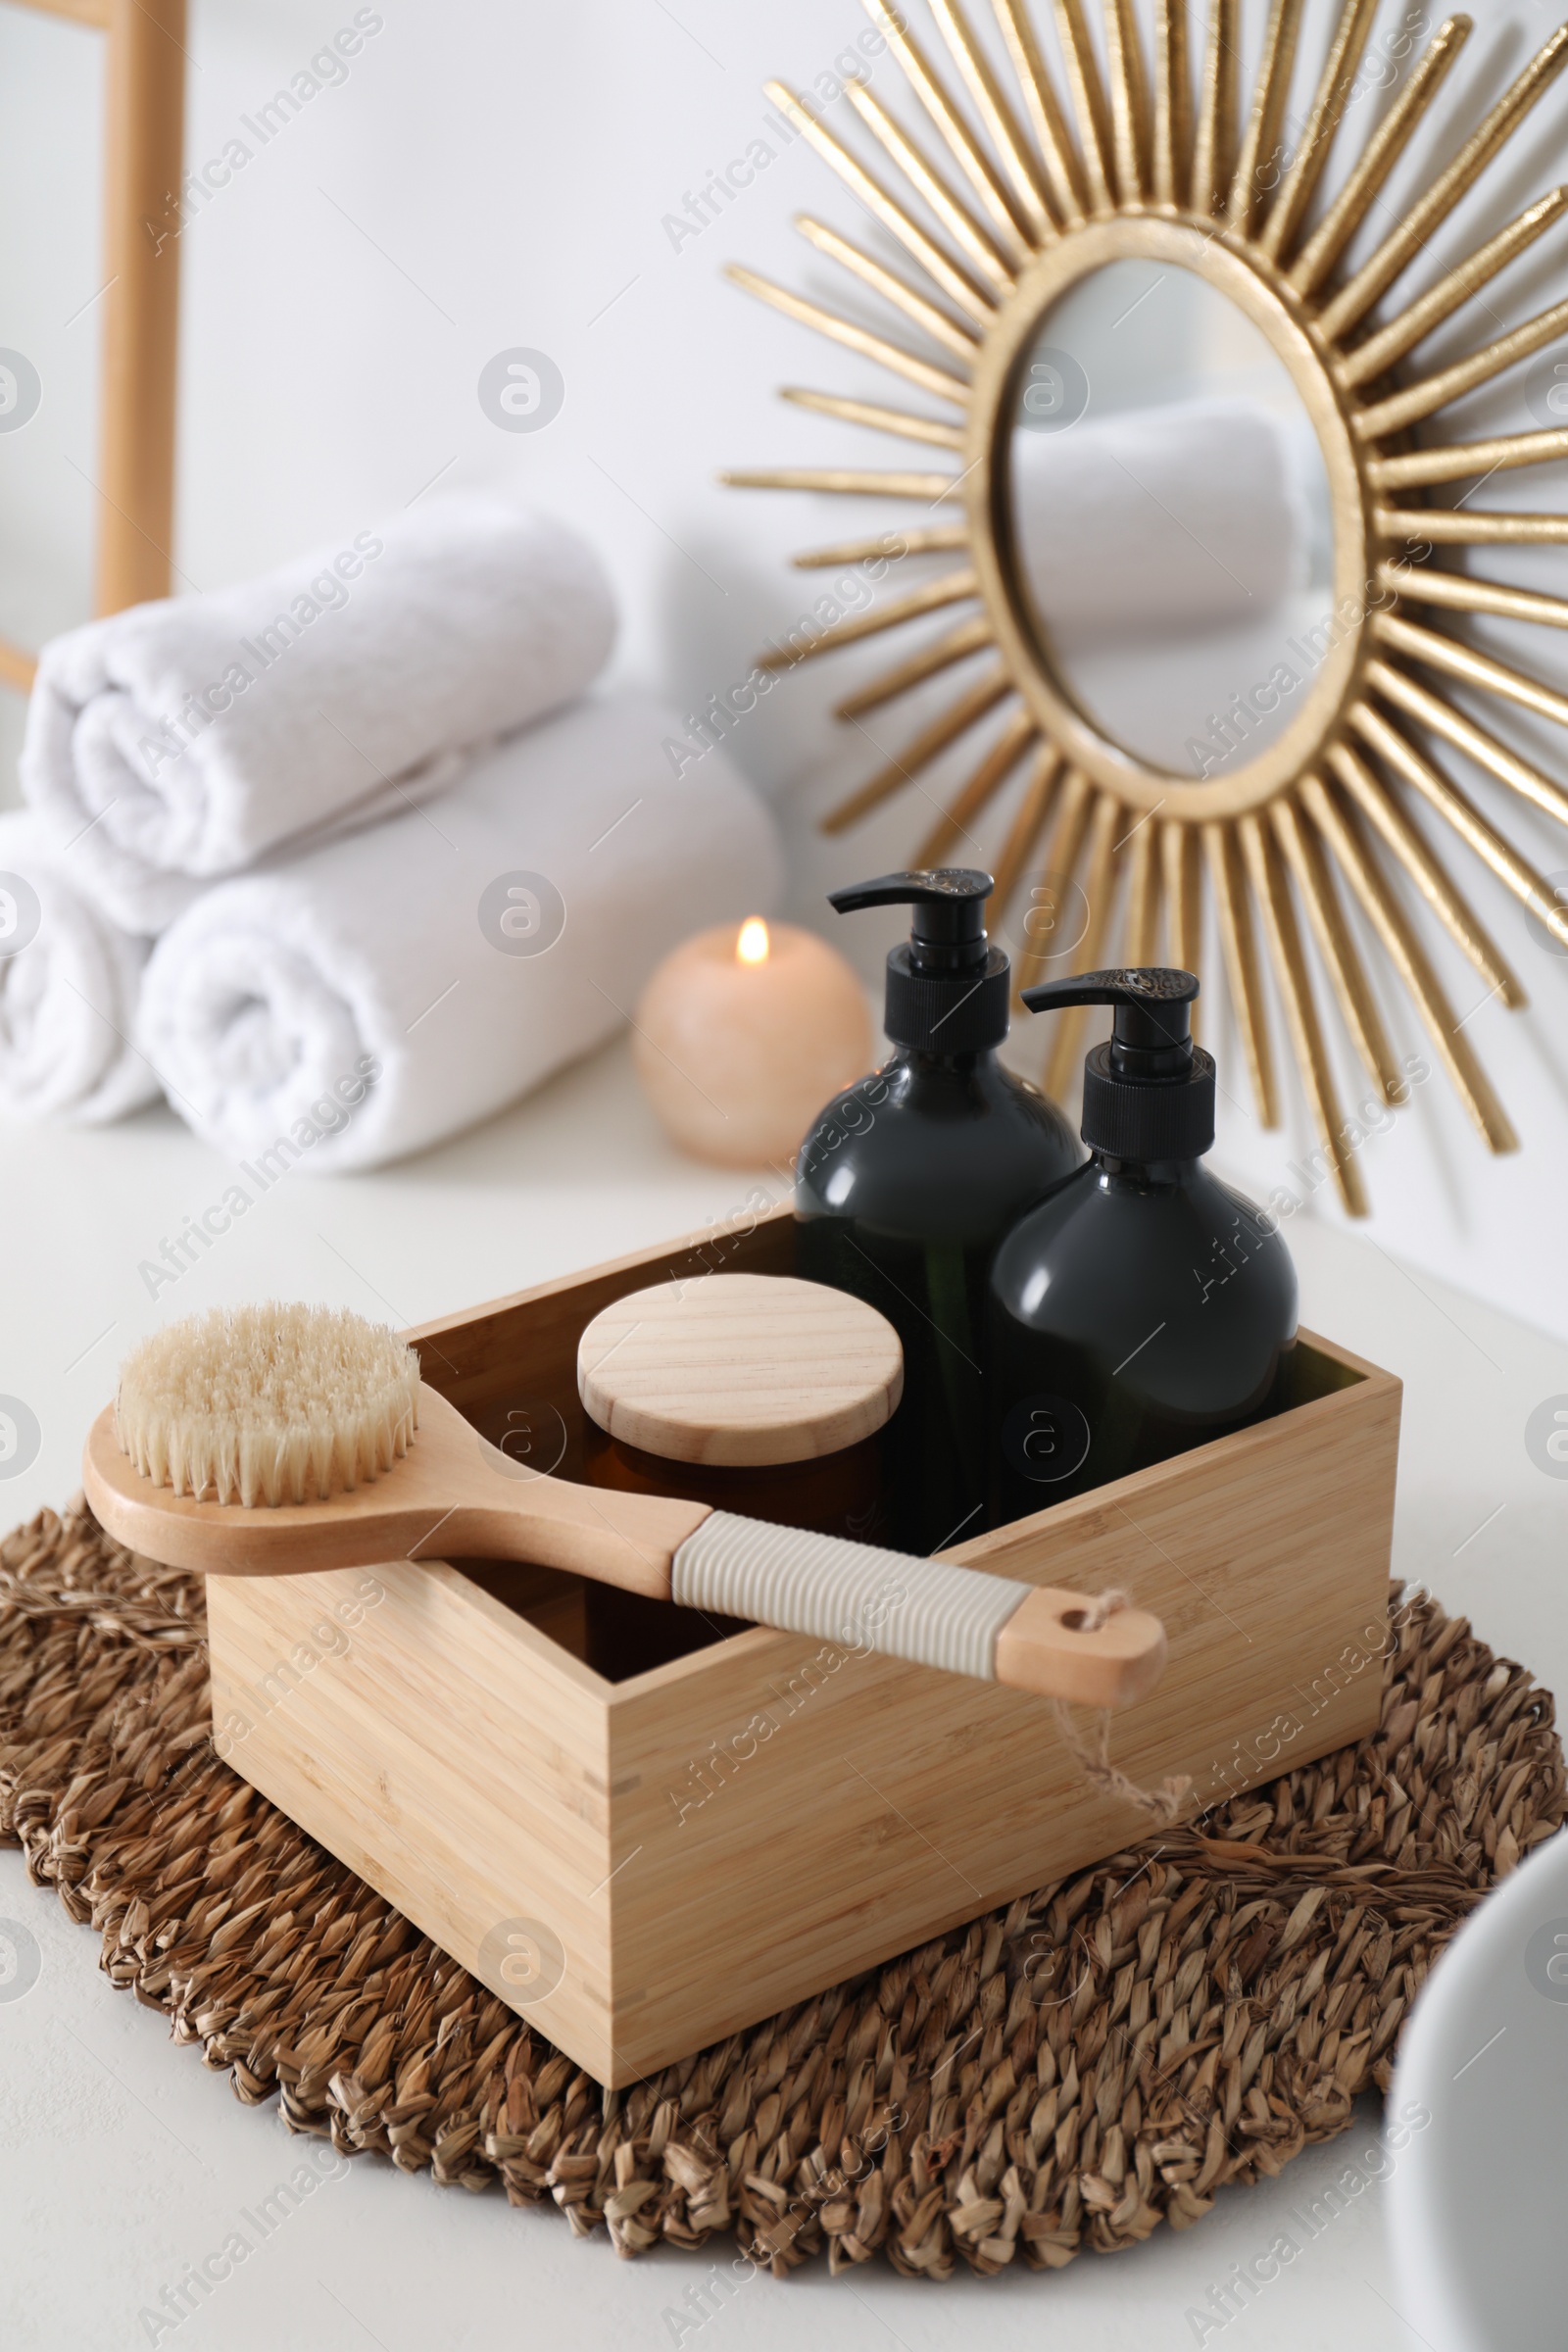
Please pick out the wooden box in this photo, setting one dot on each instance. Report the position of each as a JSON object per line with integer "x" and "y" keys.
{"x": 643, "y": 1866}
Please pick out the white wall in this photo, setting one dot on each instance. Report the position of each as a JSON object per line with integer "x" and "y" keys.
{"x": 501, "y": 176}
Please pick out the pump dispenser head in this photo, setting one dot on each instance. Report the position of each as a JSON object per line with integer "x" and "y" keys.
{"x": 1148, "y": 1093}
{"x": 947, "y": 987}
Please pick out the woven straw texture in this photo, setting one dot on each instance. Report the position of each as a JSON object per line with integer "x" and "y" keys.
{"x": 1102, "y": 2056}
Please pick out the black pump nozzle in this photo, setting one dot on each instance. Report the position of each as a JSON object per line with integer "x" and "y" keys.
{"x": 1152, "y": 1036}
{"x": 1149, "y": 1095}
{"x": 947, "y": 987}
{"x": 949, "y": 911}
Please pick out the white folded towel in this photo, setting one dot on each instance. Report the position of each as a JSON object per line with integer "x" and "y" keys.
{"x": 368, "y": 997}
{"x": 182, "y": 740}
{"x": 1163, "y": 522}
{"x": 68, "y": 995}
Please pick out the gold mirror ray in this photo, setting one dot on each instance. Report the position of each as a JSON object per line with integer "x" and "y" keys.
{"x": 1017, "y": 189}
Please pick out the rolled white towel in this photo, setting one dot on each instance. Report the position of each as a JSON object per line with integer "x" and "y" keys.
{"x": 378, "y": 993}
{"x": 68, "y": 991}
{"x": 1159, "y": 521}
{"x": 194, "y": 735}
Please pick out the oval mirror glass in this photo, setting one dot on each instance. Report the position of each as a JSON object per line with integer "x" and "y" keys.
{"x": 1171, "y": 525}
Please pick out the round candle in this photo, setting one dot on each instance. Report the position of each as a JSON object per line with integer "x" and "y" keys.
{"x": 743, "y": 1034}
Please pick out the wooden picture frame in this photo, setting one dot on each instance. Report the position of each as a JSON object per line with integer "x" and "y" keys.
{"x": 144, "y": 149}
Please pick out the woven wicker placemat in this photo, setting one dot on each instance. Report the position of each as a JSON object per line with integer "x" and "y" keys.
{"x": 1101, "y": 2056}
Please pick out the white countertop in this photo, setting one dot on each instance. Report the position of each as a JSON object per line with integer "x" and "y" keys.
{"x": 123, "y": 2161}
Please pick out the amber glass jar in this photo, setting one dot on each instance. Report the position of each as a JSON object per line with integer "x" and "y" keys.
{"x": 753, "y": 1393}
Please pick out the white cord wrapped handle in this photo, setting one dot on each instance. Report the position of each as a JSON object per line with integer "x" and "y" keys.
{"x": 1032, "y": 1638}
{"x": 848, "y": 1592}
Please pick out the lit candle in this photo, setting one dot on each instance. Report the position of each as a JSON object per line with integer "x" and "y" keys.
{"x": 743, "y": 1034}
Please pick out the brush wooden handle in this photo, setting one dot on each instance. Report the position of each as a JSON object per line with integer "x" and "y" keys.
{"x": 453, "y": 1494}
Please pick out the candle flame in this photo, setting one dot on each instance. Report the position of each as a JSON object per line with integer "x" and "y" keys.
{"x": 753, "y": 944}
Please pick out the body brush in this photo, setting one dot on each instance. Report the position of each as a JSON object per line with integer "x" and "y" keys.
{"x": 277, "y": 1439}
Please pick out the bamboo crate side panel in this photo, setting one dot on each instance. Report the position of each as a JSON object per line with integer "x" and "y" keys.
{"x": 453, "y": 1756}
{"x": 886, "y": 1802}
{"x": 866, "y": 1805}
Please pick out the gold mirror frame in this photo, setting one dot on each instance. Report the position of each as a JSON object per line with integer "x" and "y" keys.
{"x": 1137, "y": 164}
{"x": 1139, "y": 787}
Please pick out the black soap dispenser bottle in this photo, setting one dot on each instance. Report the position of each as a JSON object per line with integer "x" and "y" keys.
{"x": 909, "y": 1180}
{"x": 1144, "y": 1307}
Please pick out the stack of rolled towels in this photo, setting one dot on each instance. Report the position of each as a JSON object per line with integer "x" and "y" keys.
{"x": 344, "y": 860}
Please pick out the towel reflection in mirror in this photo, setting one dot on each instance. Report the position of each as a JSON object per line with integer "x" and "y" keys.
{"x": 1170, "y": 513}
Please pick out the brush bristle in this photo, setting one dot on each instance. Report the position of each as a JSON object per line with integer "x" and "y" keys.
{"x": 267, "y": 1404}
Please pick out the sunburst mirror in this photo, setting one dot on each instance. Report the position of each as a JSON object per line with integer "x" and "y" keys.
{"x": 1206, "y": 623}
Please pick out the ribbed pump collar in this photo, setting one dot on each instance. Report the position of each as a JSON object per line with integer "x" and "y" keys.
{"x": 1149, "y": 1092}
{"x": 948, "y": 987}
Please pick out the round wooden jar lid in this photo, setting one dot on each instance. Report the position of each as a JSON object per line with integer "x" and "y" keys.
{"x": 741, "y": 1369}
